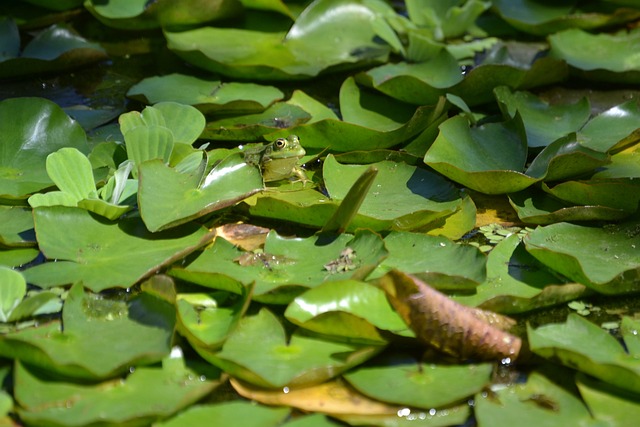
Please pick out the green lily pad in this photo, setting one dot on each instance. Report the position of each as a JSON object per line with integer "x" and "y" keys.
{"x": 53, "y": 50}
{"x": 419, "y": 83}
{"x": 623, "y": 194}
{"x": 623, "y": 165}
{"x": 30, "y": 130}
{"x": 229, "y": 413}
{"x": 303, "y": 52}
{"x": 537, "y": 207}
{"x": 12, "y": 291}
{"x": 406, "y": 382}
{"x": 613, "y": 129}
{"x": 145, "y": 396}
{"x": 169, "y": 197}
{"x": 436, "y": 260}
{"x": 347, "y": 309}
{"x": 608, "y": 404}
{"x": 539, "y": 399}
{"x": 16, "y": 225}
{"x": 99, "y": 252}
{"x": 584, "y": 346}
{"x": 541, "y": 18}
{"x": 18, "y": 257}
{"x": 447, "y": 19}
{"x": 208, "y": 96}
{"x": 101, "y": 337}
{"x": 487, "y": 158}
{"x": 583, "y": 51}
{"x": 516, "y": 282}
{"x": 537, "y": 114}
{"x": 286, "y": 266}
{"x": 259, "y": 352}
{"x": 605, "y": 259}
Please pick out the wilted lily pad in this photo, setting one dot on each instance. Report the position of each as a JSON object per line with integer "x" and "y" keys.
{"x": 101, "y": 253}
{"x": 259, "y": 352}
{"x": 147, "y": 395}
{"x": 582, "y": 345}
{"x": 101, "y": 337}
{"x": 207, "y": 95}
{"x": 605, "y": 259}
{"x": 31, "y": 129}
{"x": 286, "y": 266}
{"x": 413, "y": 384}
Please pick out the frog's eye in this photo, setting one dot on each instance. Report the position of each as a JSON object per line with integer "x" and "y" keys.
{"x": 280, "y": 143}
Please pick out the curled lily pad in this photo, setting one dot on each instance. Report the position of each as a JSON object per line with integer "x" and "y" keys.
{"x": 605, "y": 259}
{"x": 581, "y": 50}
{"x": 612, "y": 130}
{"x": 285, "y": 267}
{"x": 147, "y": 395}
{"x": 406, "y": 382}
{"x": 31, "y": 129}
{"x": 582, "y": 345}
{"x": 259, "y": 352}
{"x": 101, "y": 337}
{"x": 536, "y": 115}
{"x": 54, "y": 49}
{"x": 488, "y": 158}
{"x": 99, "y": 252}
{"x": 208, "y": 96}
{"x": 621, "y": 194}
{"x": 303, "y": 52}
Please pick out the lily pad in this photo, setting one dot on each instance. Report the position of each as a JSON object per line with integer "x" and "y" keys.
{"x": 285, "y": 267}
{"x": 169, "y": 197}
{"x": 537, "y": 114}
{"x": 613, "y": 129}
{"x": 16, "y": 226}
{"x": 209, "y": 96}
{"x": 488, "y": 158}
{"x": 303, "y": 52}
{"x": 608, "y": 404}
{"x": 347, "y": 309}
{"x": 580, "y": 344}
{"x": 623, "y": 194}
{"x": 413, "y": 384}
{"x": 229, "y": 413}
{"x": 101, "y": 337}
{"x": 295, "y": 362}
{"x": 30, "y": 130}
{"x": 443, "y": 264}
{"x": 448, "y": 19}
{"x": 99, "y": 252}
{"x": 145, "y": 396}
{"x": 605, "y": 259}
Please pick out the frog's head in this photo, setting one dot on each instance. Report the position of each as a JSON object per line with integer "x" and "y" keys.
{"x": 287, "y": 147}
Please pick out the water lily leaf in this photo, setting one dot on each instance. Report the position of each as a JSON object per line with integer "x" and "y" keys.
{"x": 299, "y": 361}
{"x": 605, "y": 259}
{"x": 629, "y": 329}
{"x": 168, "y": 198}
{"x": 612, "y": 130}
{"x": 542, "y": 18}
{"x": 121, "y": 14}
{"x": 419, "y": 83}
{"x": 30, "y": 130}
{"x": 608, "y": 404}
{"x": 537, "y": 114}
{"x": 536, "y": 207}
{"x": 55, "y": 49}
{"x": 36, "y": 303}
{"x": 407, "y": 382}
{"x": 446, "y": 19}
{"x": 18, "y": 257}
{"x": 286, "y": 266}
{"x": 581, "y": 50}
{"x": 584, "y": 346}
{"x": 434, "y": 259}
{"x": 565, "y": 158}
{"x": 16, "y": 225}
{"x": 10, "y": 40}
{"x": 347, "y": 309}
{"x": 623, "y": 165}
{"x": 98, "y": 252}
{"x": 205, "y": 321}
{"x": 208, "y": 96}
{"x": 147, "y": 395}
{"x": 539, "y": 399}
{"x": 228, "y": 413}
{"x": 487, "y": 158}
{"x": 12, "y": 291}
{"x": 623, "y": 194}
{"x": 101, "y": 337}
{"x": 516, "y": 282}
{"x": 303, "y": 52}
{"x": 183, "y": 13}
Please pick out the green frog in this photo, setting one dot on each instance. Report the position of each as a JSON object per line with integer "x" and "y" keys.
{"x": 278, "y": 159}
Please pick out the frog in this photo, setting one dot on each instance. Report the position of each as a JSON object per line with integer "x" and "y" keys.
{"x": 278, "y": 160}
